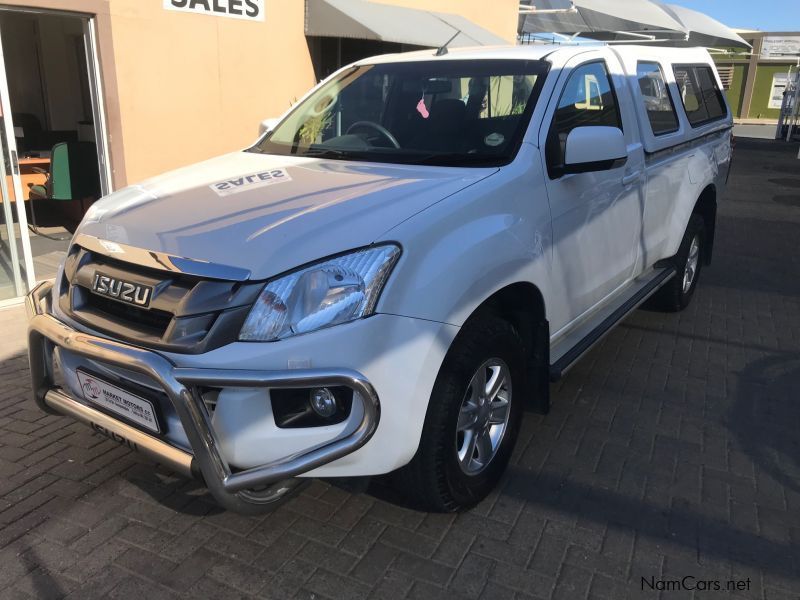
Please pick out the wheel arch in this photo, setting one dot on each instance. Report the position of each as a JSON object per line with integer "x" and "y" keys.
{"x": 706, "y": 206}
{"x": 523, "y": 305}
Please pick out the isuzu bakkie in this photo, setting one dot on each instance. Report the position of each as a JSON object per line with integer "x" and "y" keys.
{"x": 392, "y": 273}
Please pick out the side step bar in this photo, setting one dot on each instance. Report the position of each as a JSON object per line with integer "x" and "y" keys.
{"x": 563, "y": 364}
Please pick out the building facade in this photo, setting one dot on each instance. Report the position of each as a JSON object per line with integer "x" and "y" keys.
{"x": 147, "y": 86}
{"x": 755, "y": 81}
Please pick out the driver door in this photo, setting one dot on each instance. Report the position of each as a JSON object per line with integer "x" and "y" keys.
{"x": 596, "y": 215}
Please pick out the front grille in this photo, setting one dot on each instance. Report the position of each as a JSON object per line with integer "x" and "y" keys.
{"x": 133, "y": 316}
{"x": 186, "y": 313}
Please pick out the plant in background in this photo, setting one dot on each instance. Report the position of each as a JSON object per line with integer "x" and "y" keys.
{"x": 312, "y": 129}
{"x": 517, "y": 108}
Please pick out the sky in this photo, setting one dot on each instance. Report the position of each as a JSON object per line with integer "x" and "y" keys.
{"x": 765, "y": 15}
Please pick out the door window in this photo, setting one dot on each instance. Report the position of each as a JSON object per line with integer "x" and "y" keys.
{"x": 588, "y": 99}
{"x": 656, "y": 98}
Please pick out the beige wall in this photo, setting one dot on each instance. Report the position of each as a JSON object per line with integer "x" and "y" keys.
{"x": 181, "y": 87}
{"x": 194, "y": 86}
{"x": 498, "y": 16}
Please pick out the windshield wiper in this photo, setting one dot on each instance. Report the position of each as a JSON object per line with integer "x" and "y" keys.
{"x": 455, "y": 159}
{"x": 326, "y": 153}
{"x": 444, "y": 159}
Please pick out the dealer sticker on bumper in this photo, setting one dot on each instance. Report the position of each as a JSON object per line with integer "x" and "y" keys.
{"x": 118, "y": 401}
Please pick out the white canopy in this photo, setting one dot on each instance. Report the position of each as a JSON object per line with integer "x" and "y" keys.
{"x": 389, "y": 23}
{"x": 599, "y": 19}
{"x": 703, "y": 30}
{"x": 669, "y": 24}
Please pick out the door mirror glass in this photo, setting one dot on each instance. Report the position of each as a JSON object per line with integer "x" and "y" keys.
{"x": 594, "y": 148}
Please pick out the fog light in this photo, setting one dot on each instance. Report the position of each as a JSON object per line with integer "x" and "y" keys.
{"x": 323, "y": 402}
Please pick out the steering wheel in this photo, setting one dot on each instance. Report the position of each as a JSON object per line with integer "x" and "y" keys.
{"x": 377, "y": 127}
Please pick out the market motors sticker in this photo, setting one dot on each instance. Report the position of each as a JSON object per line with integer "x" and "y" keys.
{"x": 250, "y": 182}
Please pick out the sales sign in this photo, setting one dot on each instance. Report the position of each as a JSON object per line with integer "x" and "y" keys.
{"x": 780, "y": 46}
{"x": 252, "y": 10}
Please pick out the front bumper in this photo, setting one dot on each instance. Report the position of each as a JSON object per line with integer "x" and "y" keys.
{"x": 258, "y": 485}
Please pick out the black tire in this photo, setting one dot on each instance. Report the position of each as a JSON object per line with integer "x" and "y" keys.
{"x": 434, "y": 480}
{"x": 673, "y": 297}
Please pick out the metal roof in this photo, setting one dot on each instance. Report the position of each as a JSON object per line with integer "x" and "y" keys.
{"x": 384, "y": 22}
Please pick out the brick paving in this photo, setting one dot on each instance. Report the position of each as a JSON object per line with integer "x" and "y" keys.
{"x": 672, "y": 450}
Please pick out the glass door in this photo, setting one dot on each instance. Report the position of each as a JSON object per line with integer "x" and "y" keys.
{"x": 49, "y": 77}
{"x": 16, "y": 262}
{"x": 11, "y": 284}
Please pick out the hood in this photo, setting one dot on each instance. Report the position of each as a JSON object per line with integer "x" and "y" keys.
{"x": 268, "y": 213}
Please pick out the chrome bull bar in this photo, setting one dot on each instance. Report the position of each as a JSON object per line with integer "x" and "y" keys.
{"x": 234, "y": 490}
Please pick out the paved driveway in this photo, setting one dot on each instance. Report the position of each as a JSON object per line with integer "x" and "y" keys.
{"x": 672, "y": 451}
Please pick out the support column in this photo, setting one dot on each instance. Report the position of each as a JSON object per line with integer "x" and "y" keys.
{"x": 752, "y": 67}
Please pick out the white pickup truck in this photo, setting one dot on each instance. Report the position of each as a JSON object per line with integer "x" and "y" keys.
{"x": 395, "y": 270}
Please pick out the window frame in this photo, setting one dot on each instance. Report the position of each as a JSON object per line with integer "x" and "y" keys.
{"x": 669, "y": 95}
{"x": 542, "y": 71}
{"x": 554, "y": 172}
{"x": 701, "y": 97}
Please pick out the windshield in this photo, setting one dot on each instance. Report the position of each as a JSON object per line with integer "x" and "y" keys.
{"x": 438, "y": 112}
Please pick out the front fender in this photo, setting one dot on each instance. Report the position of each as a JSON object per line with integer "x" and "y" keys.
{"x": 460, "y": 251}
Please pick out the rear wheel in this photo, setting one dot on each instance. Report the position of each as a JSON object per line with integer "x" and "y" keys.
{"x": 678, "y": 292}
{"x": 472, "y": 421}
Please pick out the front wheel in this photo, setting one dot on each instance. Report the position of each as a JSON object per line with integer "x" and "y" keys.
{"x": 472, "y": 420}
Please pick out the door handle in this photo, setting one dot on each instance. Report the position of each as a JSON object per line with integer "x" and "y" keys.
{"x": 632, "y": 177}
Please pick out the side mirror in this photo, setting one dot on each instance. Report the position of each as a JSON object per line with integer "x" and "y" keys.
{"x": 594, "y": 148}
{"x": 267, "y": 125}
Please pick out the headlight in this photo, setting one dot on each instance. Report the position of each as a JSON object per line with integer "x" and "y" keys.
{"x": 333, "y": 291}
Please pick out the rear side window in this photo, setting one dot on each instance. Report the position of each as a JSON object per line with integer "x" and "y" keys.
{"x": 588, "y": 99}
{"x": 656, "y": 98}
{"x": 700, "y": 94}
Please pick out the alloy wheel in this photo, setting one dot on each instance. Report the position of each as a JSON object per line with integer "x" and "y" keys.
{"x": 483, "y": 416}
{"x": 690, "y": 272}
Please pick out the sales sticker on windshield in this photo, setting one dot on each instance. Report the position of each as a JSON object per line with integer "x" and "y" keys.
{"x": 245, "y": 183}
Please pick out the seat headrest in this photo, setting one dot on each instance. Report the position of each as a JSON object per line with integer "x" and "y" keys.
{"x": 448, "y": 114}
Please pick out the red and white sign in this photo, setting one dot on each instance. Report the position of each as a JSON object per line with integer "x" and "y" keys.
{"x": 118, "y": 401}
